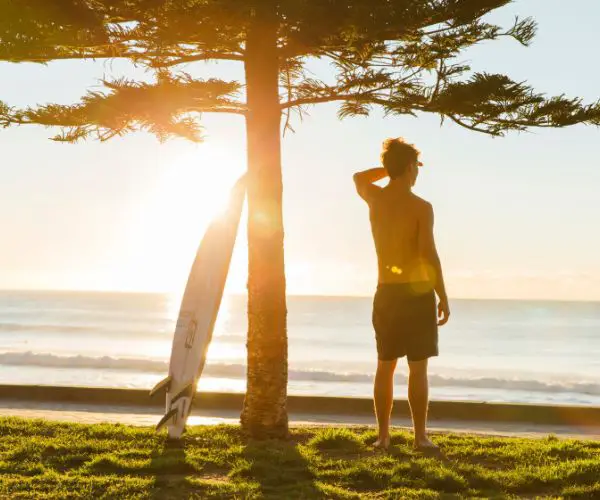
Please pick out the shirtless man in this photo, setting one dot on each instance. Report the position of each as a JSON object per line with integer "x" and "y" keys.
{"x": 410, "y": 274}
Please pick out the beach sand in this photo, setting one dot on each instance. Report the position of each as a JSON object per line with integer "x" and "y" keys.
{"x": 140, "y": 416}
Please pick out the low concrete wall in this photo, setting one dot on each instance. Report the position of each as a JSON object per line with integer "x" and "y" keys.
{"x": 438, "y": 410}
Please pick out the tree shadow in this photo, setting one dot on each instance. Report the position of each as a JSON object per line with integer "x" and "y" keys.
{"x": 170, "y": 469}
{"x": 280, "y": 470}
{"x": 436, "y": 453}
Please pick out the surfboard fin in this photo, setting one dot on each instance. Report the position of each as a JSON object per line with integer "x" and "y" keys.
{"x": 187, "y": 391}
{"x": 165, "y": 420}
{"x": 164, "y": 384}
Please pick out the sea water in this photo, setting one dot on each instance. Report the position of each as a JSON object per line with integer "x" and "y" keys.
{"x": 496, "y": 351}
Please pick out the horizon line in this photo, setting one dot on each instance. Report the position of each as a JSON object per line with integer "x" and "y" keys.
{"x": 291, "y": 295}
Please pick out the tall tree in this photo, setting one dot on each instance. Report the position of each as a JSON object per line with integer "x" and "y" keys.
{"x": 400, "y": 55}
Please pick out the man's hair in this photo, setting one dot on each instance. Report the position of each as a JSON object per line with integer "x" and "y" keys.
{"x": 397, "y": 156}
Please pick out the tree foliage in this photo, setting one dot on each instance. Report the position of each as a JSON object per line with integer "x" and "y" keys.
{"x": 400, "y": 55}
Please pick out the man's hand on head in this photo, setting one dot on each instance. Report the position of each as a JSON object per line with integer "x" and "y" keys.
{"x": 364, "y": 182}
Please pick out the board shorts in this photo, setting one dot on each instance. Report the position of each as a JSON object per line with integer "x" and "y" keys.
{"x": 405, "y": 321}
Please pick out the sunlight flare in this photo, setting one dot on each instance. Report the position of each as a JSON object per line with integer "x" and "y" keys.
{"x": 193, "y": 189}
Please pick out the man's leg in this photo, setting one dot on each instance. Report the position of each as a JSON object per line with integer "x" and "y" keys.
{"x": 384, "y": 399}
{"x": 418, "y": 398}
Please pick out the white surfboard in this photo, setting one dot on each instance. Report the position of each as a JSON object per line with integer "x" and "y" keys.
{"x": 198, "y": 313}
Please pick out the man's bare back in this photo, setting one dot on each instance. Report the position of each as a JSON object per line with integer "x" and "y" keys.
{"x": 396, "y": 220}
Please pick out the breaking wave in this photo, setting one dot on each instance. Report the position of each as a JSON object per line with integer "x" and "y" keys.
{"x": 144, "y": 330}
{"x": 239, "y": 371}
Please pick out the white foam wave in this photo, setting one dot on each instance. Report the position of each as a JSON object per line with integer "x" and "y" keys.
{"x": 105, "y": 362}
{"x": 105, "y": 330}
{"x": 239, "y": 371}
{"x": 150, "y": 330}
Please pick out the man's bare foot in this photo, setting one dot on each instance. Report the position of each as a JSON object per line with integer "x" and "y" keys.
{"x": 382, "y": 443}
{"x": 425, "y": 444}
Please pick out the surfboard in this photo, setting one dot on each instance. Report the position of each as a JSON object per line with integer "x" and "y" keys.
{"x": 198, "y": 312}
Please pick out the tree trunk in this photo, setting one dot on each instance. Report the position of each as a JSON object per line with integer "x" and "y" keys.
{"x": 264, "y": 414}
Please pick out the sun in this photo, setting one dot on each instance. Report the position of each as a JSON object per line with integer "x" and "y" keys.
{"x": 193, "y": 188}
{"x": 200, "y": 180}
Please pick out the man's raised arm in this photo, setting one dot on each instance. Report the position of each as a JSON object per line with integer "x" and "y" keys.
{"x": 364, "y": 182}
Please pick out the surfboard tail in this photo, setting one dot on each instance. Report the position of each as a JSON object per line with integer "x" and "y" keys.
{"x": 167, "y": 418}
{"x": 187, "y": 391}
{"x": 176, "y": 411}
{"x": 163, "y": 385}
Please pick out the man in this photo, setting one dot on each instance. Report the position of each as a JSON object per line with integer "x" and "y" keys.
{"x": 410, "y": 274}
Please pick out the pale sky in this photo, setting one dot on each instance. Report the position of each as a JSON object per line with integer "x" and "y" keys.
{"x": 516, "y": 217}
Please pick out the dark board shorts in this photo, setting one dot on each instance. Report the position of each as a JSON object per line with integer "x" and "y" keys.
{"x": 405, "y": 321}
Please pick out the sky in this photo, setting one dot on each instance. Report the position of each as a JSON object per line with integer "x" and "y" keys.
{"x": 516, "y": 217}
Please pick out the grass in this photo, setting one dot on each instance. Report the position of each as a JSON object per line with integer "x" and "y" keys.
{"x": 40, "y": 459}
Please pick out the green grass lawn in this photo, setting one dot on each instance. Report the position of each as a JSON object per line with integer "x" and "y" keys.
{"x": 40, "y": 459}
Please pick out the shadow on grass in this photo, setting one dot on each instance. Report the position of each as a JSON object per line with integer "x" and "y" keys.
{"x": 170, "y": 469}
{"x": 278, "y": 469}
{"x": 435, "y": 453}
{"x": 186, "y": 469}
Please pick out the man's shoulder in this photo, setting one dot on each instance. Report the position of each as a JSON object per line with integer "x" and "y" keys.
{"x": 421, "y": 203}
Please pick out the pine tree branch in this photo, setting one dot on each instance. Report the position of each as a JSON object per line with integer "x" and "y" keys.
{"x": 194, "y": 58}
{"x": 153, "y": 57}
{"x": 162, "y": 108}
{"x": 317, "y": 100}
{"x": 337, "y": 96}
{"x": 340, "y": 25}
{"x": 233, "y": 111}
{"x": 458, "y": 121}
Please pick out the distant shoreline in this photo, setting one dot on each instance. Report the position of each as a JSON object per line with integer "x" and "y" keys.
{"x": 295, "y": 296}
{"x": 581, "y": 416}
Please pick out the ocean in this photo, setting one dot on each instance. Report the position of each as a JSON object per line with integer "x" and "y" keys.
{"x": 494, "y": 351}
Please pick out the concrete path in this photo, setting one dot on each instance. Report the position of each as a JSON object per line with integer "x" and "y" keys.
{"x": 135, "y": 415}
